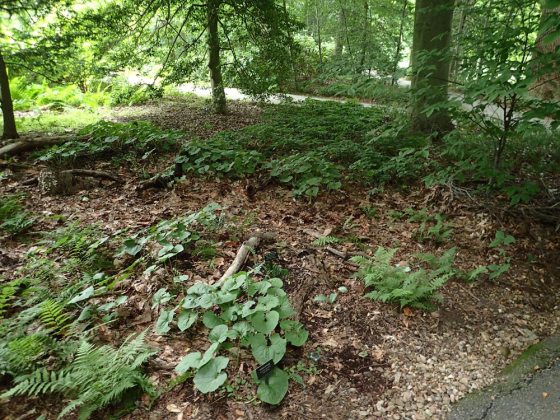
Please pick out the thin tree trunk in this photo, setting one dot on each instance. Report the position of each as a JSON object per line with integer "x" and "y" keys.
{"x": 7, "y": 105}
{"x": 547, "y": 67}
{"x": 456, "y": 60}
{"x": 399, "y": 44}
{"x": 365, "y": 35}
{"x": 339, "y": 39}
{"x": 319, "y": 42}
{"x": 430, "y": 65}
{"x": 217, "y": 84}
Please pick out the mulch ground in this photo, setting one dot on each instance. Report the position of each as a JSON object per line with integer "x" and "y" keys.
{"x": 363, "y": 359}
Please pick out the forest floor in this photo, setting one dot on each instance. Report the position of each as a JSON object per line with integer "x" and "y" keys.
{"x": 363, "y": 358}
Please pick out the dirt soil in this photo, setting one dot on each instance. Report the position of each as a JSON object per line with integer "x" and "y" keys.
{"x": 363, "y": 359}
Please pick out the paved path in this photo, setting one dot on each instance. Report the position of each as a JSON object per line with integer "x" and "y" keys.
{"x": 521, "y": 393}
{"x": 491, "y": 111}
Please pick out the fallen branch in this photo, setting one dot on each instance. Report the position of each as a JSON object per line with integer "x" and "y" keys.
{"x": 243, "y": 253}
{"x": 340, "y": 254}
{"x": 23, "y": 145}
{"x": 92, "y": 174}
{"x": 14, "y": 166}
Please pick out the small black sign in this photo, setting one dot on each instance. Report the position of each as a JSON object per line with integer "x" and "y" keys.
{"x": 264, "y": 370}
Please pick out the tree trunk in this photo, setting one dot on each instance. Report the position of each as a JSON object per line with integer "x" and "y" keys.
{"x": 217, "y": 84}
{"x": 339, "y": 40}
{"x": 547, "y": 67}
{"x": 430, "y": 65}
{"x": 10, "y": 129}
{"x": 319, "y": 41}
{"x": 398, "y": 50}
{"x": 365, "y": 35}
{"x": 456, "y": 60}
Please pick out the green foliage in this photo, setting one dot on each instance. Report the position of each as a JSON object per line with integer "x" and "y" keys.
{"x": 432, "y": 227}
{"x": 113, "y": 139}
{"x": 326, "y": 240}
{"x": 97, "y": 377}
{"x": 13, "y": 218}
{"x": 54, "y": 317}
{"x": 414, "y": 288}
{"x": 172, "y": 237}
{"x": 242, "y": 311}
{"x": 307, "y": 147}
{"x": 27, "y": 96}
{"x": 360, "y": 87}
{"x": 217, "y": 156}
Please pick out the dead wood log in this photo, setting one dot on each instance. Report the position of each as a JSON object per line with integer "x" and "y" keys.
{"x": 14, "y": 166}
{"x": 243, "y": 253}
{"x": 92, "y": 174}
{"x": 24, "y": 145}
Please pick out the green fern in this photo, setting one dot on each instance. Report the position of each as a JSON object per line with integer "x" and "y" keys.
{"x": 54, "y": 317}
{"x": 7, "y": 296}
{"x": 417, "y": 289}
{"x": 97, "y": 376}
{"x": 326, "y": 240}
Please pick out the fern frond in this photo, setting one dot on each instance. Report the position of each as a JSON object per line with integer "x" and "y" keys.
{"x": 326, "y": 240}
{"x": 54, "y": 317}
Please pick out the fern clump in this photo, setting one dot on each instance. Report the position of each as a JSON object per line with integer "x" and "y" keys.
{"x": 95, "y": 378}
{"x": 416, "y": 289}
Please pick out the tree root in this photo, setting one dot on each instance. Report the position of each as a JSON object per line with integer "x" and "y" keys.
{"x": 32, "y": 143}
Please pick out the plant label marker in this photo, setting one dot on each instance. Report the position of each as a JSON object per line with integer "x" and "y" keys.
{"x": 264, "y": 370}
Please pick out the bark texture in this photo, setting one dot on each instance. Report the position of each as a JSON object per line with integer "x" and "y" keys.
{"x": 430, "y": 64}
{"x": 9, "y": 130}
{"x": 548, "y": 84}
{"x": 214, "y": 65}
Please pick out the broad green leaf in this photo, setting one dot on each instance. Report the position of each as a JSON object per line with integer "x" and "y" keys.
{"x": 265, "y": 322}
{"x": 161, "y": 297}
{"x": 211, "y": 320}
{"x": 163, "y": 321}
{"x": 86, "y": 294}
{"x": 186, "y": 319}
{"x": 218, "y": 334}
{"x": 243, "y": 328}
{"x": 263, "y": 353}
{"x": 209, "y": 353}
{"x": 294, "y": 332}
{"x": 266, "y": 303}
{"x": 248, "y": 309}
{"x": 199, "y": 289}
{"x": 274, "y": 387}
{"x": 234, "y": 282}
{"x": 190, "y": 361}
{"x": 211, "y": 376}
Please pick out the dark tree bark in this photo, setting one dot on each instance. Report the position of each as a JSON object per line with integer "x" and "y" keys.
{"x": 430, "y": 65}
{"x": 214, "y": 65}
{"x": 10, "y": 129}
{"x": 547, "y": 84}
{"x": 365, "y": 35}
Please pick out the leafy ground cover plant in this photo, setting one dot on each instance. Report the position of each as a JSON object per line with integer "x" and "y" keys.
{"x": 240, "y": 313}
{"x": 311, "y": 147}
{"x": 95, "y": 378}
{"x": 13, "y": 218}
{"x": 115, "y": 139}
{"x": 395, "y": 283}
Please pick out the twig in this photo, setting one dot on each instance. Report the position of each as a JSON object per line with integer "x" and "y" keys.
{"x": 243, "y": 253}
{"x": 334, "y": 251}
